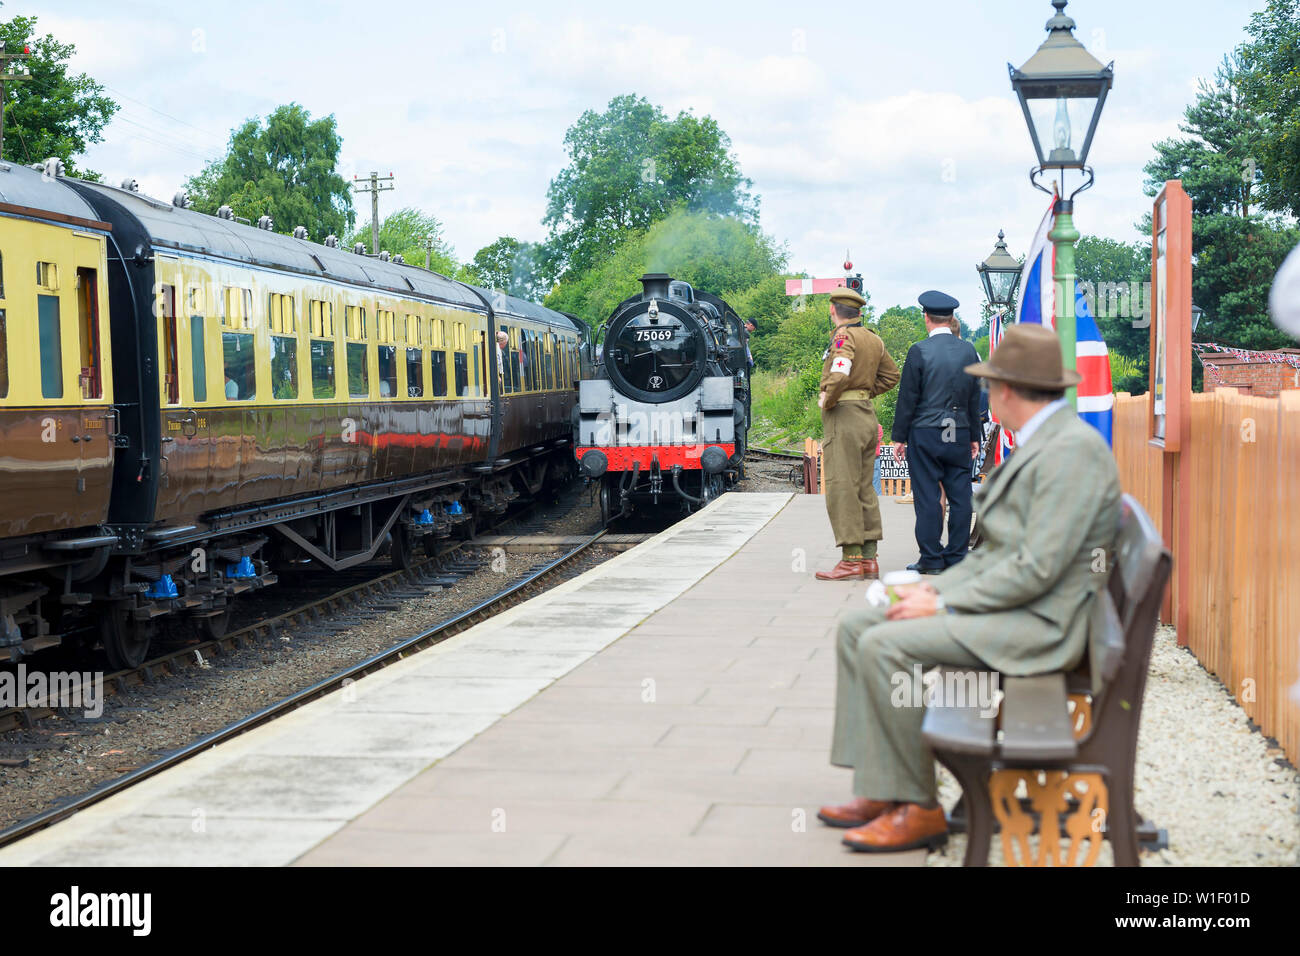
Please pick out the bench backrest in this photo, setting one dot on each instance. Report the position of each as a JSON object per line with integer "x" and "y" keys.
{"x": 1125, "y": 620}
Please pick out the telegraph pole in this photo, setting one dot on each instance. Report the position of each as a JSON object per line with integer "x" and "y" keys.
{"x": 13, "y": 69}
{"x": 374, "y": 186}
{"x": 428, "y": 248}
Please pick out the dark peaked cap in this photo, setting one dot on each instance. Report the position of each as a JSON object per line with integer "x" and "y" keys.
{"x": 939, "y": 304}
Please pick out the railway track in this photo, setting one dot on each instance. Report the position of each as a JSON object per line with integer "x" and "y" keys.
{"x": 533, "y": 583}
{"x": 426, "y": 576}
{"x": 777, "y": 464}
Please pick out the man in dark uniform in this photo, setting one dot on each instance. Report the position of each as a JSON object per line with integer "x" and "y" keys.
{"x": 855, "y": 369}
{"x": 935, "y": 426}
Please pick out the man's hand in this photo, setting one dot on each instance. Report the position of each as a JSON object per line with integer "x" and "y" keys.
{"x": 821, "y": 399}
{"x": 915, "y": 600}
{"x": 900, "y": 450}
{"x": 974, "y": 450}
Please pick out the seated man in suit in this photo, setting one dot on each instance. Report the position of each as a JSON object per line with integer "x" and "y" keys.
{"x": 1018, "y": 605}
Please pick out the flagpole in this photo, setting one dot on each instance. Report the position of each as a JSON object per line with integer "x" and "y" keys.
{"x": 1063, "y": 237}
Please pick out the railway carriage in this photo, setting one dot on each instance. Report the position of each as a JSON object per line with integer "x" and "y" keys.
{"x": 275, "y": 403}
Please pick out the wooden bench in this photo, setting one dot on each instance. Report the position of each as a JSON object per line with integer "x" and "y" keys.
{"x": 1057, "y": 757}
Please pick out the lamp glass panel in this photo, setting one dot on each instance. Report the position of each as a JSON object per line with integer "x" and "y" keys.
{"x": 1061, "y": 123}
{"x": 1000, "y": 284}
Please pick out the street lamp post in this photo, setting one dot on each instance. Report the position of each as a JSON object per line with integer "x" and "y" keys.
{"x": 1000, "y": 275}
{"x": 1062, "y": 89}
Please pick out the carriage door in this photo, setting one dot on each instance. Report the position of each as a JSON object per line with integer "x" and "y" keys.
{"x": 182, "y": 362}
{"x": 98, "y": 419}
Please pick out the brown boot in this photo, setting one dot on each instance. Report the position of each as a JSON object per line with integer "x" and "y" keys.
{"x": 844, "y": 571}
{"x": 855, "y": 813}
{"x": 870, "y": 569}
{"x": 909, "y": 826}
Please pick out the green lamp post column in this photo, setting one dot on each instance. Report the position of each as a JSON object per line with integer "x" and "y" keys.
{"x": 1064, "y": 236}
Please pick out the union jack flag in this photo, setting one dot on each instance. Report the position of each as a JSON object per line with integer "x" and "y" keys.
{"x": 1096, "y": 399}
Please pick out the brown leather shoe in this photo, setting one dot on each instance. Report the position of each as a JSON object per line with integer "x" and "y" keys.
{"x": 908, "y": 826}
{"x": 870, "y": 569}
{"x": 844, "y": 571}
{"x": 855, "y": 813}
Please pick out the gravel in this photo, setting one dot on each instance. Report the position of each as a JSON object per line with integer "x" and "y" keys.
{"x": 69, "y": 754}
{"x": 1225, "y": 793}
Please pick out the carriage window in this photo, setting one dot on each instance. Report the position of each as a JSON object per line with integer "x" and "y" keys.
{"x": 92, "y": 385}
{"x": 387, "y": 371}
{"x": 320, "y": 318}
{"x": 478, "y": 358}
{"x": 414, "y": 330}
{"x": 322, "y": 368}
{"x": 51, "y": 346}
{"x": 240, "y": 368}
{"x": 198, "y": 359}
{"x": 282, "y": 314}
{"x": 414, "y": 373}
{"x": 2, "y": 277}
{"x": 358, "y": 371}
{"x": 505, "y": 359}
{"x": 438, "y": 369}
{"x": 237, "y": 307}
{"x": 284, "y": 367}
{"x": 4, "y": 356}
{"x": 462, "y": 374}
{"x": 170, "y": 344}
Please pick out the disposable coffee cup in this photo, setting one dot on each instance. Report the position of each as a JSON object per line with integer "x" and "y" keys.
{"x": 893, "y": 579}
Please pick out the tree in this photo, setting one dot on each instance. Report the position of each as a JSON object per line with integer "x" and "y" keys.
{"x": 1270, "y": 84}
{"x": 1115, "y": 277}
{"x": 629, "y": 167}
{"x": 1217, "y": 163}
{"x": 285, "y": 170}
{"x": 404, "y": 233}
{"x": 52, "y": 113}
{"x": 718, "y": 254}
{"x": 512, "y": 266}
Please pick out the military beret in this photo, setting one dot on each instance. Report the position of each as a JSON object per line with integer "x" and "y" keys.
{"x": 849, "y": 297}
{"x": 938, "y": 303}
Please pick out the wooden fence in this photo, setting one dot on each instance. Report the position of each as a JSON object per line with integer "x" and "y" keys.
{"x": 1243, "y": 595}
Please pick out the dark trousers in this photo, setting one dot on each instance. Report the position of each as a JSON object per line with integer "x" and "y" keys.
{"x": 932, "y": 462}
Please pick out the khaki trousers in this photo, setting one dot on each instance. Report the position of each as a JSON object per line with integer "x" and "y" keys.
{"x": 877, "y": 719}
{"x": 848, "y": 462}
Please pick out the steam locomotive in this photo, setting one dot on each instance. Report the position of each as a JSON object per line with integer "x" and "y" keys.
{"x": 663, "y": 417}
{"x": 191, "y": 405}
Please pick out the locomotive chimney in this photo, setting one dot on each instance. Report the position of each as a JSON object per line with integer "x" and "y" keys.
{"x": 655, "y": 285}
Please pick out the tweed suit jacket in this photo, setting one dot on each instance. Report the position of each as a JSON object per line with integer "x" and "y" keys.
{"x": 1049, "y": 517}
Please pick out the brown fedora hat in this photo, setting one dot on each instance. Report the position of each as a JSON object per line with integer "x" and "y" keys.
{"x": 1028, "y": 355}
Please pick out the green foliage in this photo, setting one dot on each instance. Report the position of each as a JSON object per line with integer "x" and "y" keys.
{"x": 285, "y": 170}
{"x": 404, "y": 233}
{"x": 1218, "y": 161}
{"x": 1127, "y": 375}
{"x": 52, "y": 113}
{"x": 1239, "y": 118}
{"x": 1271, "y": 88}
{"x": 630, "y": 167}
{"x": 511, "y": 266}
{"x": 1101, "y": 262}
{"x": 1236, "y": 260}
{"x": 718, "y": 254}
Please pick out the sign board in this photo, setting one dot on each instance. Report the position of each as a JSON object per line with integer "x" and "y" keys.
{"x": 890, "y": 468}
{"x": 1170, "y": 365}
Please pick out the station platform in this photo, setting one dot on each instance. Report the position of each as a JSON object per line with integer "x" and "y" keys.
{"x": 672, "y": 706}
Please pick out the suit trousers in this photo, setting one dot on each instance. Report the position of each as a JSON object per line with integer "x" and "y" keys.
{"x": 878, "y": 710}
{"x": 849, "y": 439}
{"x": 932, "y": 462}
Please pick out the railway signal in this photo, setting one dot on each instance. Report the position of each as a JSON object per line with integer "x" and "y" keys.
{"x": 803, "y": 287}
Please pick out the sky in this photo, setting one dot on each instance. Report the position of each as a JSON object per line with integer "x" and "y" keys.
{"x": 888, "y": 130}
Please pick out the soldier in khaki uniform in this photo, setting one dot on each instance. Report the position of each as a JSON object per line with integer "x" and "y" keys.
{"x": 857, "y": 369}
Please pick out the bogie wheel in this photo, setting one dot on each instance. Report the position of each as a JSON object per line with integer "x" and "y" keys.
{"x": 214, "y": 627}
{"x": 606, "y": 506}
{"x": 125, "y": 640}
{"x": 399, "y": 550}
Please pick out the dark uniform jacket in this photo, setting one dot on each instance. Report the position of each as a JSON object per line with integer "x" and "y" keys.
{"x": 857, "y": 360}
{"x": 935, "y": 391}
